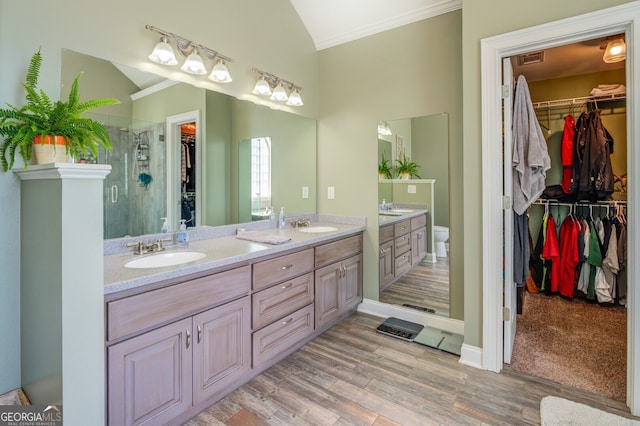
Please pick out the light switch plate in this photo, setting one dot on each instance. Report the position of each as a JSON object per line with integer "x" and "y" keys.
{"x": 331, "y": 193}
{"x": 411, "y": 189}
{"x": 305, "y": 192}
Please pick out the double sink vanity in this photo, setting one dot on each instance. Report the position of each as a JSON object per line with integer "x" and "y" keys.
{"x": 179, "y": 337}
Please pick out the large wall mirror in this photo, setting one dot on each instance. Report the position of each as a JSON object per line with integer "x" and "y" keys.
{"x": 185, "y": 152}
{"x": 425, "y": 141}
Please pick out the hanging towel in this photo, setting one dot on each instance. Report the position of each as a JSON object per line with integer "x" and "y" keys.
{"x": 530, "y": 159}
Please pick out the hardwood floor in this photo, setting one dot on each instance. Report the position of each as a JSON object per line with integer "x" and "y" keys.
{"x": 352, "y": 375}
{"x": 425, "y": 285}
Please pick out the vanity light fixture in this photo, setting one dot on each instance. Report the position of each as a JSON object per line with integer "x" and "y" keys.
{"x": 194, "y": 63}
{"x": 615, "y": 51}
{"x": 279, "y": 94}
{"x": 220, "y": 73}
{"x": 163, "y": 53}
{"x": 280, "y": 86}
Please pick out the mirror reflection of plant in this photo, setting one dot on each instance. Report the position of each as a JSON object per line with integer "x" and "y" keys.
{"x": 406, "y": 166}
{"x": 384, "y": 168}
{"x": 43, "y": 117}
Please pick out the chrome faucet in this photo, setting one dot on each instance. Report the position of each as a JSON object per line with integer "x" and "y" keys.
{"x": 300, "y": 223}
{"x": 139, "y": 247}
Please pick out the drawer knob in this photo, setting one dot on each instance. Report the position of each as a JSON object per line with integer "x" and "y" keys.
{"x": 287, "y": 285}
{"x": 285, "y": 267}
{"x": 287, "y": 321}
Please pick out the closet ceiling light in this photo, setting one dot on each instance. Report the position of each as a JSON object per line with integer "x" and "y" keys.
{"x": 220, "y": 73}
{"x": 163, "y": 53}
{"x": 383, "y": 128}
{"x": 616, "y": 51}
{"x": 194, "y": 64}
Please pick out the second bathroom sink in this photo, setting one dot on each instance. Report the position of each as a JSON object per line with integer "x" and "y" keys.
{"x": 318, "y": 229}
{"x": 165, "y": 259}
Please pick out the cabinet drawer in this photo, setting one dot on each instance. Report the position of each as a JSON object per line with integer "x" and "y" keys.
{"x": 277, "y": 338}
{"x": 402, "y": 228}
{"x": 402, "y": 244}
{"x": 418, "y": 222}
{"x": 282, "y": 299}
{"x": 131, "y": 314}
{"x": 385, "y": 233}
{"x": 403, "y": 263}
{"x": 331, "y": 252}
{"x": 281, "y": 268}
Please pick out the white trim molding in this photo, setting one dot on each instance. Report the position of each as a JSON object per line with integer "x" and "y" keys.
{"x": 624, "y": 18}
{"x": 471, "y": 356}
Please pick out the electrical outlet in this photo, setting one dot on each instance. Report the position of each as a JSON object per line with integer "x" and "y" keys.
{"x": 411, "y": 189}
{"x": 305, "y": 192}
{"x": 331, "y": 193}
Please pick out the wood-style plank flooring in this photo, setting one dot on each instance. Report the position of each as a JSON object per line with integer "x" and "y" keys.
{"x": 351, "y": 375}
{"x": 425, "y": 285}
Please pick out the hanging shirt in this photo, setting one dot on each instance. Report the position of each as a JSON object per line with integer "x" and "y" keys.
{"x": 610, "y": 264}
{"x": 521, "y": 251}
{"x": 594, "y": 261}
{"x": 583, "y": 280}
{"x": 569, "y": 256}
{"x": 566, "y": 154}
{"x": 530, "y": 159}
{"x": 621, "y": 230}
{"x": 551, "y": 252}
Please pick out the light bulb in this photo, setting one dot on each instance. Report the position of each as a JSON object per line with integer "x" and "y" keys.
{"x": 220, "y": 73}
{"x": 163, "y": 53}
{"x": 262, "y": 87}
{"x": 279, "y": 94}
{"x": 193, "y": 64}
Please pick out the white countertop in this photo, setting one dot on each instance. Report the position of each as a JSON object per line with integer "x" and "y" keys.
{"x": 388, "y": 220}
{"x": 220, "y": 251}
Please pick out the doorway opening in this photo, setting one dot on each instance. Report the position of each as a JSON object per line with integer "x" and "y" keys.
{"x": 575, "y": 335}
{"x": 620, "y": 19}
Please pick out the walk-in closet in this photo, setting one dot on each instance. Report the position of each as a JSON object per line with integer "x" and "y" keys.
{"x": 571, "y": 323}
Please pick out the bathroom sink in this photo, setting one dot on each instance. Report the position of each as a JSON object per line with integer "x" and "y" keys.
{"x": 165, "y": 259}
{"x": 318, "y": 229}
{"x": 402, "y": 210}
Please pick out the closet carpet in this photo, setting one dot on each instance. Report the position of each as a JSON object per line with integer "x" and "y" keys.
{"x": 575, "y": 343}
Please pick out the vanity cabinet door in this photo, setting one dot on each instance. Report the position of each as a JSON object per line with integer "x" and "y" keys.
{"x": 338, "y": 289}
{"x": 149, "y": 377}
{"x": 387, "y": 264}
{"x": 327, "y": 294}
{"x": 222, "y": 349}
{"x": 351, "y": 283}
{"x": 418, "y": 245}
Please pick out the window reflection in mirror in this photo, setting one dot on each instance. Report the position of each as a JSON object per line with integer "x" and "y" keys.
{"x": 255, "y": 186}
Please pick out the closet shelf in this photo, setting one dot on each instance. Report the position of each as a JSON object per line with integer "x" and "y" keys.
{"x": 544, "y": 201}
{"x": 557, "y": 103}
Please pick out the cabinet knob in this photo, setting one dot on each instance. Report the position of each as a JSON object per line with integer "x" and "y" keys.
{"x": 287, "y": 321}
{"x": 188, "y": 338}
{"x": 287, "y": 285}
{"x": 285, "y": 267}
{"x": 199, "y": 334}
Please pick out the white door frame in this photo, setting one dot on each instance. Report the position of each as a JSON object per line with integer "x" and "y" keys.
{"x": 624, "y": 18}
{"x": 173, "y": 123}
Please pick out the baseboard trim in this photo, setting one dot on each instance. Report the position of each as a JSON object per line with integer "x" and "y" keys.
{"x": 431, "y": 258}
{"x": 471, "y": 356}
{"x": 385, "y": 310}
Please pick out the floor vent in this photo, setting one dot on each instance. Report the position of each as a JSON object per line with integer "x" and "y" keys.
{"x": 400, "y": 329}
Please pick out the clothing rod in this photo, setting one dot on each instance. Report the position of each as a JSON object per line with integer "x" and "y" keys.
{"x": 603, "y": 203}
{"x": 578, "y": 101}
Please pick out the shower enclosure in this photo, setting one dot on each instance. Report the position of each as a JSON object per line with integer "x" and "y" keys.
{"x": 135, "y": 190}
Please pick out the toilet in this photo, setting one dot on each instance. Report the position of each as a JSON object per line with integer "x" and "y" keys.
{"x": 440, "y": 236}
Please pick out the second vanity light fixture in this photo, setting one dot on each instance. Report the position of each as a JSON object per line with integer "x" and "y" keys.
{"x": 193, "y": 64}
{"x": 280, "y": 86}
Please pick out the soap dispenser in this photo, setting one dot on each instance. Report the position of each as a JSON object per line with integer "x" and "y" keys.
{"x": 383, "y": 206}
{"x": 165, "y": 225}
{"x": 182, "y": 236}
{"x": 282, "y": 220}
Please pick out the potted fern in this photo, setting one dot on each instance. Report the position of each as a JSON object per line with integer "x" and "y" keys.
{"x": 407, "y": 169}
{"x": 54, "y": 129}
{"x": 384, "y": 169}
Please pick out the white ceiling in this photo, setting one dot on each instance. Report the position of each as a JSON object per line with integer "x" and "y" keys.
{"x": 334, "y": 22}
